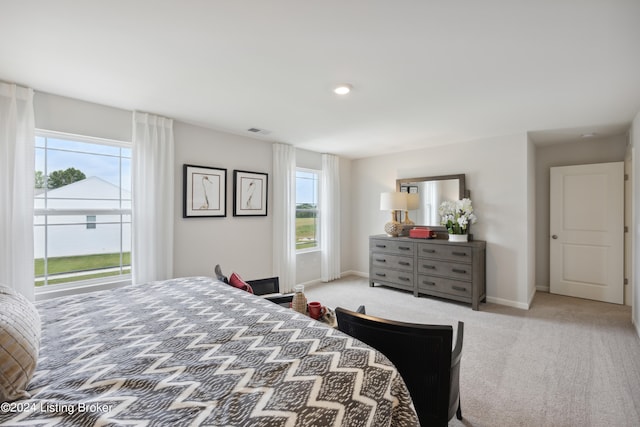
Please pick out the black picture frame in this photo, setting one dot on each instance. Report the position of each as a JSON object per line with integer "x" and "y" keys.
{"x": 250, "y": 191}
{"x": 204, "y": 191}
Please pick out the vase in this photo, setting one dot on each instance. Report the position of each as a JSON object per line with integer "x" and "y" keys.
{"x": 458, "y": 237}
{"x": 299, "y": 300}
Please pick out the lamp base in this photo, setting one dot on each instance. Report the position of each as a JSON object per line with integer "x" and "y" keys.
{"x": 393, "y": 228}
{"x": 407, "y": 220}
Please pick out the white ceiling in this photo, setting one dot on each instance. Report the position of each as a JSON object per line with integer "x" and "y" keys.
{"x": 424, "y": 72}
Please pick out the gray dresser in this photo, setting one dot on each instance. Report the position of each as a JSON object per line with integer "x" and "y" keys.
{"x": 432, "y": 267}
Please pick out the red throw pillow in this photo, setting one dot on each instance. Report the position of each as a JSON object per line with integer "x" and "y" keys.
{"x": 236, "y": 281}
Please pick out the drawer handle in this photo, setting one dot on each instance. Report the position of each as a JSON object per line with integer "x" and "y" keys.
{"x": 404, "y": 248}
{"x": 404, "y": 263}
{"x": 381, "y": 260}
{"x": 381, "y": 246}
{"x": 458, "y": 270}
{"x": 429, "y": 251}
{"x": 430, "y": 267}
{"x": 459, "y": 253}
{"x": 406, "y": 279}
{"x": 424, "y": 282}
{"x": 459, "y": 288}
{"x": 381, "y": 275}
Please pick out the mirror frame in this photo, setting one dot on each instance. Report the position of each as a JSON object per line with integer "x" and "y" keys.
{"x": 463, "y": 192}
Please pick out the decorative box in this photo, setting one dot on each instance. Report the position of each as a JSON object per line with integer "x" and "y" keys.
{"x": 420, "y": 233}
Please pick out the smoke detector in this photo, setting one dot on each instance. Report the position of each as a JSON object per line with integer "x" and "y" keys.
{"x": 259, "y": 131}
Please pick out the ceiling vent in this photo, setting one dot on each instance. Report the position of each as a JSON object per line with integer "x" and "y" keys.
{"x": 259, "y": 131}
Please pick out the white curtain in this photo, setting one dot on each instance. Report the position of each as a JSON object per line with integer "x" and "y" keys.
{"x": 284, "y": 215}
{"x": 330, "y": 218}
{"x": 152, "y": 180}
{"x": 17, "y": 166}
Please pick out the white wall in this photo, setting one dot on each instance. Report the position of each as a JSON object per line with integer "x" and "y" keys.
{"x": 635, "y": 291}
{"x": 240, "y": 244}
{"x": 496, "y": 173}
{"x": 532, "y": 220}
{"x": 53, "y": 112}
{"x": 585, "y": 151}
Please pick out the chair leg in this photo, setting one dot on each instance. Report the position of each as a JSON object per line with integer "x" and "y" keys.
{"x": 459, "y": 411}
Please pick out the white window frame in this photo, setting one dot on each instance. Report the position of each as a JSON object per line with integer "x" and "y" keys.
{"x": 60, "y": 289}
{"x": 318, "y": 174}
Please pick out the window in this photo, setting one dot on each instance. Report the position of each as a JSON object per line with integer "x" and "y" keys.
{"x": 307, "y": 225}
{"x": 82, "y": 216}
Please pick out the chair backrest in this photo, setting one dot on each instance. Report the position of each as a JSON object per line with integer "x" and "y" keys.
{"x": 266, "y": 286}
{"x": 421, "y": 353}
{"x": 456, "y": 355}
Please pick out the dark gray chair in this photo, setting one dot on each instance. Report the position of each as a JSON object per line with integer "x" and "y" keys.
{"x": 271, "y": 287}
{"x": 423, "y": 356}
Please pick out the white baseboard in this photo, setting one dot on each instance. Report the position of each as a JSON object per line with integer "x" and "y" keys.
{"x": 543, "y": 288}
{"x": 508, "y": 303}
{"x": 342, "y": 275}
{"x": 355, "y": 273}
{"x": 310, "y": 282}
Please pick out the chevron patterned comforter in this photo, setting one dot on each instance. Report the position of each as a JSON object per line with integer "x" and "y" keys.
{"x": 195, "y": 351}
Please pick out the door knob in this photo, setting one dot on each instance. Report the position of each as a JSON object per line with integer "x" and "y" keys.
{"x": 554, "y": 236}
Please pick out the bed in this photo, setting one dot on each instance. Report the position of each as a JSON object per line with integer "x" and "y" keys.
{"x": 195, "y": 351}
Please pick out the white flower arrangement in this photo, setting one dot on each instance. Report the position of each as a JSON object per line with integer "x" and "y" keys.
{"x": 457, "y": 215}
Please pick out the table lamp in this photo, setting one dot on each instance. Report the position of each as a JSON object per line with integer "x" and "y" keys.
{"x": 393, "y": 201}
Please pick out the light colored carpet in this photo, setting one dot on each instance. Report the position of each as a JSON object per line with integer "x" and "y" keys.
{"x": 564, "y": 362}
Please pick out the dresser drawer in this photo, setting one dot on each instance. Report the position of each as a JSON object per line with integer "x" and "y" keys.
{"x": 395, "y": 247}
{"x": 399, "y": 279}
{"x": 444, "y": 268}
{"x": 445, "y": 252}
{"x": 441, "y": 284}
{"x": 384, "y": 260}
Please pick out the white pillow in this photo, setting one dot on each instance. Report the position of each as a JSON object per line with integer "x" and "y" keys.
{"x": 19, "y": 343}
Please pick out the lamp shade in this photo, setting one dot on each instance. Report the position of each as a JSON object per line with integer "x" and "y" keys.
{"x": 413, "y": 201}
{"x": 393, "y": 200}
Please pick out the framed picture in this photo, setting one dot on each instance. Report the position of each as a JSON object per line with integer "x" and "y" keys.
{"x": 408, "y": 188}
{"x": 249, "y": 193}
{"x": 205, "y": 192}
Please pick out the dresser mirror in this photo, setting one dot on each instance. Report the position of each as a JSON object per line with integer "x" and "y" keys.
{"x": 431, "y": 191}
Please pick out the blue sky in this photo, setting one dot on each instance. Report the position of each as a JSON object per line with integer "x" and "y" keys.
{"x": 91, "y": 159}
{"x": 306, "y": 187}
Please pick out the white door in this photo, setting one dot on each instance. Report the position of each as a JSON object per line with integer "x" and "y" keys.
{"x": 587, "y": 231}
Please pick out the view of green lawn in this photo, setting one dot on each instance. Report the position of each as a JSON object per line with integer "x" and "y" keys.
{"x": 78, "y": 264}
{"x": 306, "y": 237}
{"x": 306, "y": 233}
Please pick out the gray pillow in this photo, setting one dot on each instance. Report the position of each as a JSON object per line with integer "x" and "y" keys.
{"x": 19, "y": 344}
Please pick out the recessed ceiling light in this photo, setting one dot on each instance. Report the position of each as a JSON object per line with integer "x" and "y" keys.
{"x": 343, "y": 89}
